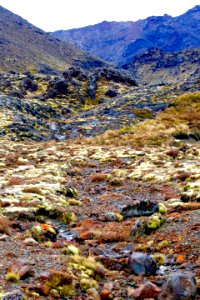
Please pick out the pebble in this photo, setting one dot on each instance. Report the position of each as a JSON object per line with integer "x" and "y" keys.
{"x": 92, "y": 294}
{"x": 107, "y": 290}
{"x": 108, "y": 286}
{"x": 30, "y": 242}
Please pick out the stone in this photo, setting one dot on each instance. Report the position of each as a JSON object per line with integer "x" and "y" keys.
{"x": 91, "y": 91}
{"x": 142, "y": 264}
{"x": 72, "y": 72}
{"x": 105, "y": 294}
{"x": 42, "y": 289}
{"x": 140, "y": 208}
{"x": 179, "y": 286}
{"x": 30, "y": 242}
{"x": 92, "y": 294}
{"x": 16, "y": 94}
{"x": 110, "y": 93}
{"x": 147, "y": 290}
{"x": 138, "y": 228}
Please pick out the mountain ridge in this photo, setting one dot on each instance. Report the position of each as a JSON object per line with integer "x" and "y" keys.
{"x": 119, "y": 42}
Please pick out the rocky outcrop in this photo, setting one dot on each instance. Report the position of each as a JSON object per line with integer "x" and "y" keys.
{"x": 157, "y": 66}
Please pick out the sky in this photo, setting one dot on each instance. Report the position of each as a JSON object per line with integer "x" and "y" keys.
{"x": 51, "y": 15}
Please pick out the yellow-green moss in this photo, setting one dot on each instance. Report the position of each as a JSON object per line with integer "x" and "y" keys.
{"x": 13, "y": 277}
{"x": 159, "y": 258}
{"x": 67, "y": 217}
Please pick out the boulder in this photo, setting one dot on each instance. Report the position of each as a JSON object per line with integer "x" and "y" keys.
{"x": 140, "y": 208}
{"x": 110, "y": 93}
{"x": 27, "y": 84}
{"x": 142, "y": 264}
{"x": 57, "y": 88}
{"x": 179, "y": 286}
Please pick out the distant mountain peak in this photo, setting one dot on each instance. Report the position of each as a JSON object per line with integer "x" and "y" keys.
{"x": 194, "y": 9}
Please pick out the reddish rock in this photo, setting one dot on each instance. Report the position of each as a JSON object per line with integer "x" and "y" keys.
{"x": 148, "y": 290}
{"x": 85, "y": 235}
{"x": 43, "y": 290}
{"x": 180, "y": 259}
{"x": 106, "y": 294}
{"x": 98, "y": 177}
{"x": 183, "y": 175}
{"x": 44, "y": 276}
{"x": 4, "y": 226}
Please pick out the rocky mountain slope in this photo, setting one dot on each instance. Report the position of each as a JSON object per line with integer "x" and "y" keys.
{"x": 24, "y": 47}
{"x": 119, "y": 42}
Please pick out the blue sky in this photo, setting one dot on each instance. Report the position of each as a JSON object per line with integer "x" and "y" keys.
{"x": 53, "y": 15}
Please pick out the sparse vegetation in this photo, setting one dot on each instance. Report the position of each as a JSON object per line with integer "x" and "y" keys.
{"x": 184, "y": 116}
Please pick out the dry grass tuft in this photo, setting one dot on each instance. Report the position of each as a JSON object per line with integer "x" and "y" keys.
{"x": 190, "y": 206}
{"x": 15, "y": 181}
{"x": 98, "y": 177}
{"x": 33, "y": 190}
{"x": 4, "y": 225}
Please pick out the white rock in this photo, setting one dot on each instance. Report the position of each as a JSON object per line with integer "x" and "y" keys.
{"x": 30, "y": 242}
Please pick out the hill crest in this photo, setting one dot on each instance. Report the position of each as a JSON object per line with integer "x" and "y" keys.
{"x": 24, "y": 47}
